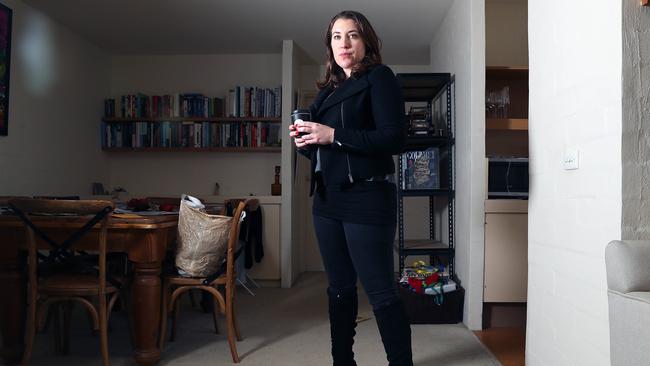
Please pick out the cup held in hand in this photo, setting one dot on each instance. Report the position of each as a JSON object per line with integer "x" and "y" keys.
{"x": 300, "y": 115}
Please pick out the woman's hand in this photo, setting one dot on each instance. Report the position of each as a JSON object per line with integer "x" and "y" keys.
{"x": 310, "y": 133}
{"x": 297, "y": 139}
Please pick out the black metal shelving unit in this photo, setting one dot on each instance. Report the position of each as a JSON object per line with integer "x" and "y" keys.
{"x": 428, "y": 87}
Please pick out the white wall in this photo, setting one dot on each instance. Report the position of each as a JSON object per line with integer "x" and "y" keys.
{"x": 575, "y": 102}
{"x": 176, "y": 173}
{"x": 57, "y": 85}
{"x": 459, "y": 48}
{"x": 636, "y": 121}
{"x": 506, "y": 33}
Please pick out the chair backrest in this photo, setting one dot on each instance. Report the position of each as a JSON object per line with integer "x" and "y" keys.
{"x": 252, "y": 204}
{"x": 85, "y": 214}
{"x": 241, "y": 206}
{"x": 233, "y": 207}
{"x": 4, "y": 202}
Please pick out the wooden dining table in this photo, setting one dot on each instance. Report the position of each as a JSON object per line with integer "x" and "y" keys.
{"x": 145, "y": 240}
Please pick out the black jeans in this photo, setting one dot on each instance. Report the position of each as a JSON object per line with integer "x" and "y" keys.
{"x": 350, "y": 249}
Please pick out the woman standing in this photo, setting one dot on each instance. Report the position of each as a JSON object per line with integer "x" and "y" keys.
{"x": 358, "y": 124}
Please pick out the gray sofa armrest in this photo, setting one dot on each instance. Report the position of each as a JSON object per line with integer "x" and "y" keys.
{"x": 628, "y": 265}
{"x": 629, "y": 316}
{"x": 628, "y": 283}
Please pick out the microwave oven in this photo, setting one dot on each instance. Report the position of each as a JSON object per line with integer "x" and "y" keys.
{"x": 507, "y": 178}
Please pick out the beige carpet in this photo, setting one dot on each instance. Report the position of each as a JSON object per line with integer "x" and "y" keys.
{"x": 281, "y": 327}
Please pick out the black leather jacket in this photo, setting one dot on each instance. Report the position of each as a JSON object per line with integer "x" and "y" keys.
{"x": 367, "y": 114}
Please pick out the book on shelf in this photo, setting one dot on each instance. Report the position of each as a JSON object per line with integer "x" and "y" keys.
{"x": 200, "y": 106}
{"x": 241, "y": 101}
{"x": 420, "y": 169}
{"x": 253, "y": 101}
{"x": 163, "y": 106}
{"x": 190, "y": 134}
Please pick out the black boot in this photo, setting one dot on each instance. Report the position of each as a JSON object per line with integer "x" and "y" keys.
{"x": 395, "y": 334}
{"x": 343, "y": 320}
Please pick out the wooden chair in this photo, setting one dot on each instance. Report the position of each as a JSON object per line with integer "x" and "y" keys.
{"x": 174, "y": 286}
{"x": 168, "y": 265}
{"x": 4, "y": 202}
{"x": 64, "y": 276}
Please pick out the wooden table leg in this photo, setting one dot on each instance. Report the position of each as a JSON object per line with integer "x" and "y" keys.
{"x": 13, "y": 287}
{"x": 146, "y": 312}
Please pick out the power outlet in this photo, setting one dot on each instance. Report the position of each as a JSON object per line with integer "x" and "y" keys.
{"x": 571, "y": 159}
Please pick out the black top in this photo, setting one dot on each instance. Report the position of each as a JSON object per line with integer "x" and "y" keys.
{"x": 367, "y": 113}
{"x": 373, "y": 203}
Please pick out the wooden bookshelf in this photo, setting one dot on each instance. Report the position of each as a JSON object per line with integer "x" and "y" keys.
{"x": 203, "y": 134}
{"x": 194, "y": 122}
{"x": 194, "y": 119}
{"x": 262, "y": 149}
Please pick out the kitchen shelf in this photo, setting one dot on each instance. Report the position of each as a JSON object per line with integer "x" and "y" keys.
{"x": 506, "y": 72}
{"x": 512, "y": 124}
{"x": 506, "y": 114}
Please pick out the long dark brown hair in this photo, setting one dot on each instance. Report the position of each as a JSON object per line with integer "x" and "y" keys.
{"x": 334, "y": 74}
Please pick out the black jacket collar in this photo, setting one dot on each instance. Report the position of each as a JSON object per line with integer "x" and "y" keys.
{"x": 349, "y": 88}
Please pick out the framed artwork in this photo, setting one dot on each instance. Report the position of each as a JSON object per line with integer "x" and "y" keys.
{"x": 5, "y": 58}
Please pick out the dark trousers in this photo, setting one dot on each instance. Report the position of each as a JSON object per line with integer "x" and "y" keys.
{"x": 349, "y": 250}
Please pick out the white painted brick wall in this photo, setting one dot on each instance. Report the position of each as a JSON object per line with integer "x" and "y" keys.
{"x": 575, "y": 102}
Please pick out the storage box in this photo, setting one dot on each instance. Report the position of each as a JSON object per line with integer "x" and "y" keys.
{"x": 421, "y": 308}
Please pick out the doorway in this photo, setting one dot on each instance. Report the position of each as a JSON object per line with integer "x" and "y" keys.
{"x": 506, "y": 206}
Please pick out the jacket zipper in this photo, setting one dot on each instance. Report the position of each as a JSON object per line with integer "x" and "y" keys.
{"x": 347, "y": 157}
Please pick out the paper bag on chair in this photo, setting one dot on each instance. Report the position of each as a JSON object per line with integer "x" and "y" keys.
{"x": 202, "y": 239}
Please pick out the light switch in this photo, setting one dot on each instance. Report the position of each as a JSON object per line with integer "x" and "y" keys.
{"x": 571, "y": 159}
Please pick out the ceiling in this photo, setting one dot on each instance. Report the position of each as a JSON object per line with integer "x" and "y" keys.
{"x": 406, "y": 27}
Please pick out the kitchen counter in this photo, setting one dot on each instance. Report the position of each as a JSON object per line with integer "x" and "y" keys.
{"x": 506, "y": 206}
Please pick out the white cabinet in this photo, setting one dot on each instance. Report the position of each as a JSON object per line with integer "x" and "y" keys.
{"x": 269, "y": 267}
{"x": 506, "y": 251}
